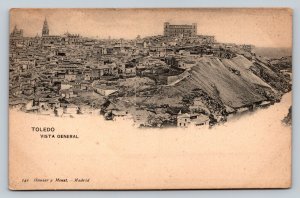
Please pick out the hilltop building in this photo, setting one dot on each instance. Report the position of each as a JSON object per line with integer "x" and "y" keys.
{"x": 180, "y": 30}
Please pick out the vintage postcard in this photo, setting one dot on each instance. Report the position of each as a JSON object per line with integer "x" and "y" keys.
{"x": 150, "y": 98}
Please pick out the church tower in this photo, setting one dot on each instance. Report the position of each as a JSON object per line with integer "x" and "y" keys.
{"x": 45, "y": 31}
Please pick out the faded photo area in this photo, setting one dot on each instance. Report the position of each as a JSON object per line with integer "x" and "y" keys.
{"x": 150, "y": 98}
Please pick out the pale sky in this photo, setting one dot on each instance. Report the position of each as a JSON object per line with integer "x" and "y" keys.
{"x": 260, "y": 27}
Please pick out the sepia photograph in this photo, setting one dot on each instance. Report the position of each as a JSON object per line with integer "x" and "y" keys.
{"x": 162, "y": 98}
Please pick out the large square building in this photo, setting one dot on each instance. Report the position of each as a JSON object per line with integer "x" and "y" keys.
{"x": 180, "y": 30}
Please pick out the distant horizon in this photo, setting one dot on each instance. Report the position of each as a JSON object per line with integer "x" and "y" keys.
{"x": 99, "y": 38}
{"x": 258, "y": 27}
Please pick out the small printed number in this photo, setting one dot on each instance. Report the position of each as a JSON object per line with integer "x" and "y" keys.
{"x": 25, "y": 180}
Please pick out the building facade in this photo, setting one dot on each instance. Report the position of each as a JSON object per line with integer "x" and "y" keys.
{"x": 180, "y": 30}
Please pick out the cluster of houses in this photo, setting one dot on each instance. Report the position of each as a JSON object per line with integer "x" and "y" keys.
{"x": 48, "y": 73}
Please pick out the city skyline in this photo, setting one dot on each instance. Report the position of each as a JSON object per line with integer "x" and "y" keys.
{"x": 270, "y": 29}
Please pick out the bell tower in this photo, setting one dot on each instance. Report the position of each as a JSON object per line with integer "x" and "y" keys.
{"x": 45, "y": 31}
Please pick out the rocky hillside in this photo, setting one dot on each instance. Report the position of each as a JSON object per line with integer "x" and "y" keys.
{"x": 233, "y": 83}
